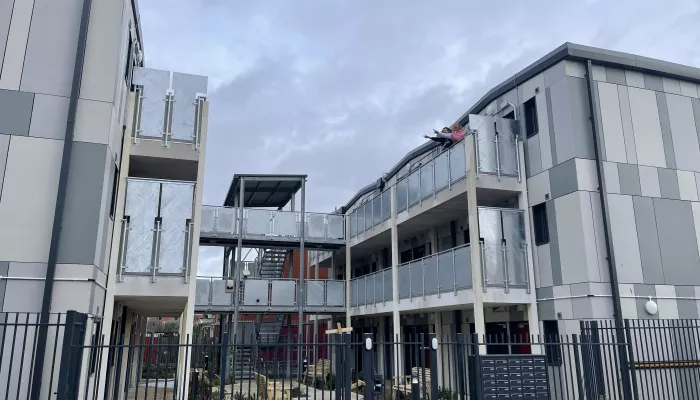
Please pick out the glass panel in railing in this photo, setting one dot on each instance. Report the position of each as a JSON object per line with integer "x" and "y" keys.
{"x": 186, "y": 88}
{"x": 286, "y": 223}
{"x": 463, "y": 265}
{"x": 431, "y": 276}
{"x": 362, "y": 292}
{"x": 315, "y": 293}
{"x": 176, "y": 202}
{"x": 155, "y": 85}
{"x": 227, "y": 221}
{"x": 414, "y": 188}
{"x": 388, "y": 287}
{"x": 377, "y": 210}
{"x": 404, "y": 282}
{"x": 219, "y": 296}
{"x": 416, "y": 279}
{"x": 371, "y": 288}
{"x": 258, "y": 222}
{"x": 142, "y": 209}
{"x": 386, "y": 205}
{"x": 458, "y": 163}
{"x": 335, "y": 293}
{"x": 378, "y": 287}
{"x": 426, "y": 181}
{"x": 507, "y": 136}
{"x": 485, "y": 142}
{"x": 368, "y": 215}
{"x": 514, "y": 235}
{"x": 202, "y": 290}
{"x": 283, "y": 293}
{"x": 336, "y": 229}
{"x": 446, "y": 271}
{"x": 353, "y": 223}
{"x": 402, "y": 195}
{"x": 490, "y": 232}
{"x": 208, "y": 219}
{"x": 316, "y": 228}
{"x": 353, "y": 292}
{"x": 255, "y": 292}
{"x": 360, "y": 219}
{"x": 441, "y": 166}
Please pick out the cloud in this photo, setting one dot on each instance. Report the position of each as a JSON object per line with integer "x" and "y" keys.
{"x": 342, "y": 89}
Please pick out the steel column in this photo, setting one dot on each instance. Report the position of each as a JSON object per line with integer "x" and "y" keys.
{"x": 300, "y": 297}
{"x": 239, "y": 254}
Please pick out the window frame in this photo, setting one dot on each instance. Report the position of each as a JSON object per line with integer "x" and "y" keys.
{"x": 540, "y": 224}
{"x": 532, "y": 124}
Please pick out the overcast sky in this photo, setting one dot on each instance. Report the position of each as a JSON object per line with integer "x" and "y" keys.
{"x": 342, "y": 89}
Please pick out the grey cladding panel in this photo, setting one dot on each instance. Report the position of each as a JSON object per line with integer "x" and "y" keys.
{"x": 666, "y": 130}
{"x": 616, "y": 76}
{"x": 653, "y": 82}
{"x": 668, "y": 182}
{"x": 562, "y": 179}
{"x": 4, "y": 270}
{"x": 686, "y": 308}
{"x": 648, "y": 240}
{"x": 678, "y": 244}
{"x": 644, "y": 291}
{"x": 5, "y": 17}
{"x": 15, "y": 112}
{"x": 696, "y": 114}
{"x": 565, "y": 148}
{"x": 629, "y": 179}
{"x": 83, "y": 203}
{"x": 580, "y": 117}
{"x": 4, "y": 148}
{"x": 550, "y": 123}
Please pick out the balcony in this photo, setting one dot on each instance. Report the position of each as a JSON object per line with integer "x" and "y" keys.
{"x": 503, "y": 265}
{"x": 168, "y": 123}
{"x": 263, "y": 228}
{"x": 271, "y": 295}
{"x": 157, "y": 231}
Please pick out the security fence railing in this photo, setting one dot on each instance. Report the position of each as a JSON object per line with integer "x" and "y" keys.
{"x": 272, "y": 224}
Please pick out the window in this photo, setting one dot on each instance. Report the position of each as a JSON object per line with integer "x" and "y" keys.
{"x": 510, "y": 115}
{"x": 539, "y": 217}
{"x": 531, "y": 124}
{"x": 115, "y": 184}
{"x": 552, "y": 349}
{"x": 129, "y": 61}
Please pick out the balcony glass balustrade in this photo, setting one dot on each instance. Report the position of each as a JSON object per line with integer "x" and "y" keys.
{"x": 503, "y": 264}
{"x": 271, "y": 224}
{"x": 276, "y": 295}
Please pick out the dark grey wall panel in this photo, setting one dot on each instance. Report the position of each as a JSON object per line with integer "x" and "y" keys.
{"x": 83, "y": 204}
{"x": 580, "y": 117}
{"x": 648, "y": 240}
{"x": 554, "y": 243}
{"x": 668, "y": 182}
{"x": 15, "y": 112}
{"x": 629, "y": 179}
{"x": 687, "y": 308}
{"x": 677, "y": 241}
{"x": 653, "y": 82}
{"x": 617, "y": 76}
{"x": 550, "y": 123}
{"x": 562, "y": 179}
{"x": 666, "y": 130}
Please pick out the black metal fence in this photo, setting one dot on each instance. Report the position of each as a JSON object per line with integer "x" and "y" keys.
{"x": 644, "y": 359}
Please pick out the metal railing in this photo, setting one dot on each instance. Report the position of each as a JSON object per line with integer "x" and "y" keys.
{"x": 280, "y": 225}
{"x": 370, "y": 214}
{"x": 437, "y": 174}
{"x": 444, "y": 272}
{"x": 270, "y": 294}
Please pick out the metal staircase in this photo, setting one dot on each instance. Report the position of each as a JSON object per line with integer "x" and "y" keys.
{"x": 272, "y": 263}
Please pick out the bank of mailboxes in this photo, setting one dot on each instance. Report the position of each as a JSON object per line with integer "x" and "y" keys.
{"x": 514, "y": 377}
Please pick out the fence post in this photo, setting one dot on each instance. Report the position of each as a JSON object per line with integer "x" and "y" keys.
{"x": 433, "y": 366}
{"x": 631, "y": 359}
{"x": 347, "y": 356}
{"x": 460, "y": 367}
{"x": 368, "y": 365}
{"x": 71, "y": 356}
{"x": 224, "y": 362}
{"x": 577, "y": 361}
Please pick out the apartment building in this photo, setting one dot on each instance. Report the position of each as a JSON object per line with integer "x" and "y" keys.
{"x": 574, "y": 196}
{"x": 101, "y": 169}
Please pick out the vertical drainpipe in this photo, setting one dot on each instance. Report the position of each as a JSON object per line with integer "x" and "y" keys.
{"x": 37, "y": 373}
{"x": 617, "y": 308}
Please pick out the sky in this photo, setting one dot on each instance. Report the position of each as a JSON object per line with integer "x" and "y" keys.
{"x": 340, "y": 90}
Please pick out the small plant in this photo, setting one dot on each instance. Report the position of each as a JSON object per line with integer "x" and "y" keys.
{"x": 446, "y": 394}
{"x": 242, "y": 396}
{"x": 295, "y": 392}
